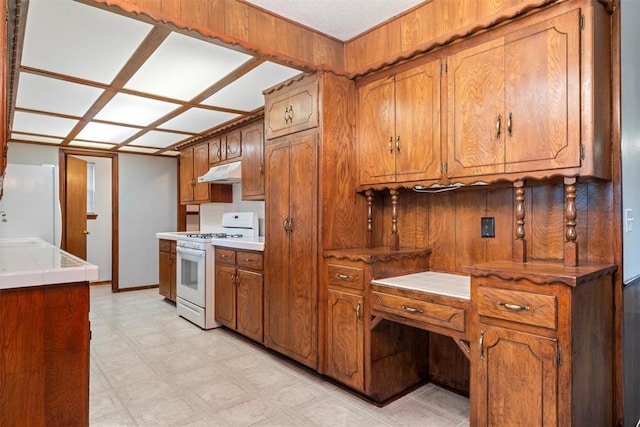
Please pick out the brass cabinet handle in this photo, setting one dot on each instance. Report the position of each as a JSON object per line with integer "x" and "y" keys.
{"x": 509, "y": 125}
{"x": 285, "y": 223}
{"x": 481, "y": 342}
{"x": 412, "y": 310}
{"x": 286, "y": 115}
{"x": 498, "y": 126}
{"x": 514, "y": 307}
{"x": 344, "y": 276}
{"x": 86, "y": 232}
{"x": 398, "y": 144}
{"x": 290, "y": 224}
{"x": 391, "y": 144}
{"x": 290, "y": 113}
{"x": 358, "y": 316}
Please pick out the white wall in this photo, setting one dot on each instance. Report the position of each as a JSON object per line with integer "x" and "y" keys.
{"x": 29, "y": 154}
{"x": 630, "y": 12}
{"x": 211, "y": 213}
{"x": 99, "y": 238}
{"x": 148, "y": 204}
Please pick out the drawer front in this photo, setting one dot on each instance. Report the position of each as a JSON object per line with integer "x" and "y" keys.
{"x": 227, "y": 256}
{"x": 422, "y": 311}
{"x": 249, "y": 260}
{"x": 292, "y": 112}
{"x": 165, "y": 245}
{"x": 522, "y": 307}
{"x": 346, "y": 277}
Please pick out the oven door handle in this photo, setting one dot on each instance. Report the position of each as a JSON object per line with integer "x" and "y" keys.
{"x": 189, "y": 251}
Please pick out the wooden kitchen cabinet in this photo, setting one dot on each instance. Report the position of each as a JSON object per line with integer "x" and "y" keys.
{"x": 253, "y": 161}
{"x": 399, "y": 127}
{"x": 194, "y": 162}
{"x": 167, "y": 269}
{"x": 292, "y": 110}
{"x": 239, "y": 291}
{"x": 543, "y": 334}
{"x": 215, "y": 150}
{"x": 516, "y": 101}
{"x": 231, "y": 145}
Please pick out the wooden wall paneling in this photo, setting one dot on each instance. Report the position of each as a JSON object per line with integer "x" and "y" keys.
{"x": 501, "y": 206}
{"x": 195, "y": 11}
{"x": 262, "y": 28}
{"x": 470, "y": 247}
{"x": 599, "y": 245}
{"x": 216, "y": 15}
{"x": 328, "y": 51}
{"x": 455, "y": 14}
{"x": 354, "y": 54}
{"x": 582, "y": 225}
{"x": 631, "y": 319}
{"x": 418, "y": 26}
{"x": 407, "y": 214}
{"x": 294, "y": 40}
{"x": 172, "y": 8}
{"x": 382, "y": 42}
{"x": 448, "y": 366}
{"x": 442, "y": 231}
{"x": 422, "y": 221}
{"x": 236, "y": 20}
{"x": 547, "y": 222}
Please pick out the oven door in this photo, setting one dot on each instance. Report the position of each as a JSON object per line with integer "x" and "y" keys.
{"x": 190, "y": 275}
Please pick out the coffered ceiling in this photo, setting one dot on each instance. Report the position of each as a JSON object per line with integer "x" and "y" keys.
{"x": 90, "y": 78}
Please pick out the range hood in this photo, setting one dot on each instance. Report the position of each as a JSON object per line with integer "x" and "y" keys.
{"x": 223, "y": 174}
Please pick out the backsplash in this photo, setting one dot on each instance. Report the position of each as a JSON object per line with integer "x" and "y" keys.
{"x": 211, "y": 213}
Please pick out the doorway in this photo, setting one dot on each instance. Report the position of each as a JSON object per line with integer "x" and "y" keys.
{"x": 74, "y": 218}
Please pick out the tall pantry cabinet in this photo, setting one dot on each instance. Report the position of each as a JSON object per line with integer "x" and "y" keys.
{"x": 310, "y": 203}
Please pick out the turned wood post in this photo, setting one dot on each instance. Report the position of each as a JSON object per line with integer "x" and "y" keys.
{"x": 570, "y": 214}
{"x": 520, "y": 244}
{"x": 395, "y": 239}
{"x": 369, "y": 194}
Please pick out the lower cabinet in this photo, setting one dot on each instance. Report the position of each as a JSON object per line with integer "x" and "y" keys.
{"x": 376, "y": 357}
{"x": 167, "y": 269}
{"x": 239, "y": 291}
{"x": 544, "y": 334}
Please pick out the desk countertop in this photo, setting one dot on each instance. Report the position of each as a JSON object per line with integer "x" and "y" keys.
{"x": 33, "y": 262}
{"x": 452, "y": 285}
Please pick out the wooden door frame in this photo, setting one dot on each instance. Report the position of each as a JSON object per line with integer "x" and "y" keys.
{"x": 63, "y": 153}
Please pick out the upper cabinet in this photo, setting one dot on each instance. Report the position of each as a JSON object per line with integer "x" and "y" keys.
{"x": 253, "y": 161}
{"x": 399, "y": 127}
{"x": 292, "y": 111}
{"x": 194, "y": 162}
{"x": 514, "y": 102}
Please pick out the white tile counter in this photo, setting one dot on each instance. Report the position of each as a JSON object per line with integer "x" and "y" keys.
{"x": 452, "y": 285}
{"x": 32, "y": 262}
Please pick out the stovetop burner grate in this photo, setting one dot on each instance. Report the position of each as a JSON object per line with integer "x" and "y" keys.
{"x": 214, "y": 235}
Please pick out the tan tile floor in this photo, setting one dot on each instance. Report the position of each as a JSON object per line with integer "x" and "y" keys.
{"x": 150, "y": 367}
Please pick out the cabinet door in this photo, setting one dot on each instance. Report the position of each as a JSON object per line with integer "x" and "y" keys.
{"x": 293, "y": 110}
{"x": 233, "y": 145}
{"x": 517, "y": 379}
{"x": 543, "y": 95}
{"x": 303, "y": 298}
{"x": 476, "y": 99}
{"x": 253, "y": 162}
{"x": 172, "y": 273}
{"x": 186, "y": 176}
{"x": 249, "y": 303}
{"x": 376, "y": 132}
{"x": 164, "y": 273}
{"x": 200, "y": 167}
{"x": 215, "y": 153}
{"x": 225, "y": 295}
{"x": 417, "y": 140}
{"x": 276, "y": 249}
{"x": 345, "y": 338}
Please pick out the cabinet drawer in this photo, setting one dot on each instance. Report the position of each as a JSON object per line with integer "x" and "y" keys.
{"x": 422, "y": 311}
{"x": 165, "y": 245}
{"x": 249, "y": 260}
{"x": 228, "y": 256}
{"x": 522, "y": 307}
{"x": 346, "y": 277}
{"x": 293, "y": 111}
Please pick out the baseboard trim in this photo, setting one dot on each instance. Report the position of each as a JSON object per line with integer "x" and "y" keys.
{"x": 137, "y": 288}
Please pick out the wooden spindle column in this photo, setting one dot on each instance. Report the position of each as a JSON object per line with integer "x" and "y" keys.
{"x": 570, "y": 214}
{"x": 369, "y": 195}
{"x": 520, "y": 244}
{"x": 395, "y": 238}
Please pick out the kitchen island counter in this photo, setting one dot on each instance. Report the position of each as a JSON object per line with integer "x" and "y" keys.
{"x": 33, "y": 262}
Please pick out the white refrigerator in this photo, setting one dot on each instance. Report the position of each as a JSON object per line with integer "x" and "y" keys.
{"x": 30, "y": 204}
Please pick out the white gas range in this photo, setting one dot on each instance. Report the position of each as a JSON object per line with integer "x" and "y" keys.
{"x": 195, "y": 273}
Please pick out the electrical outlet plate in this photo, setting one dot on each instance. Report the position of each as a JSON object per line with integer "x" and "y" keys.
{"x": 488, "y": 226}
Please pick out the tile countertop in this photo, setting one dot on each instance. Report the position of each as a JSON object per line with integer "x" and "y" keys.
{"x": 31, "y": 261}
{"x": 452, "y": 285}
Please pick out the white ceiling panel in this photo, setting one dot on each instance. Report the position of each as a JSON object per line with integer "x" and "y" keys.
{"x": 158, "y": 139}
{"x": 35, "y": 138}
{"x": 42, "y": 124}
{"x": 171, "y": 153}
{"x": 82, "y": 41}
{"x": 137, "y": 149}
{"x": 183, "y": 67}
{"x": 101, "y": 132}
{"x": 197, "y": 120}
{"x": 246, "y": 92}
{"x": 134, "y": 110}
{"x": 46, "y": 94}
{"x": 87, "y": 144}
